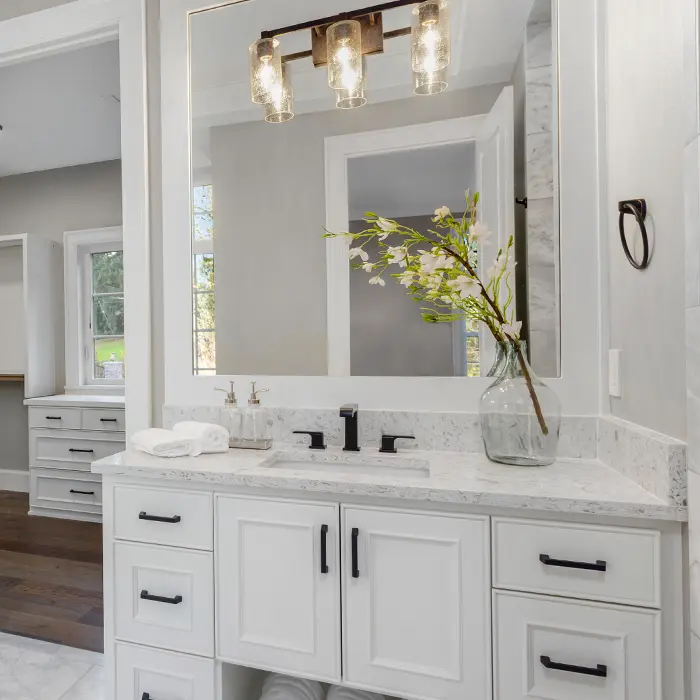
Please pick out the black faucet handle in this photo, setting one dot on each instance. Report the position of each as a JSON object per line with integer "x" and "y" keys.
{"x": 317, "y": 440}
{"x": 388, "y": 442}
{"x": 348, "y": 410}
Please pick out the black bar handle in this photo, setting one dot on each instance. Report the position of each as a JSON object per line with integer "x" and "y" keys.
{"x": 108, "y": 420}
{"x": 601, "y": 670}
{"x": 54, "y": 418}
{"x": 143, "y": 515}
{"x": 324, "y": 554}
{"x": 84, "y": 493}
{"x": 145, "y": 595}
{"x": 355, "y": 568}
{"x": 599, "y": 565}
{"x": 75, "y": 449}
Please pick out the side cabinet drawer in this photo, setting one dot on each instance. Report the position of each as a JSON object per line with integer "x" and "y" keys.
{"x": 619, "y": 565}
{"x": 573, "y": 650}
{"x": 164, "y": 516}
{"x": 164, "y": 598}
{"x": 68, "y": 449}
{"x": 66, "y": 490}
{"x": 52, "y": 417}
{"x": 155, "y": 674}
{"x": 103, "y": 419}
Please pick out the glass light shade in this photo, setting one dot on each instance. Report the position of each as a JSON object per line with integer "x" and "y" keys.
{"x": 430, "y": 36}
{"x": 280, "y": 108}
{"x": 265, "y": 69}
{"x": 350, "y": 99}
{"x": 345, "y": 66}
{"x": 429, "y": 82}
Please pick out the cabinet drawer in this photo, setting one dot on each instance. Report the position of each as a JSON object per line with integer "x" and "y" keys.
{"x": 571, "y": 650}
{"x": 150, "y": 673}
{"x": 63, "y": 449}
{"x": 619, "y": 565}
{"x": 50, "y": 417}
{"x": 164, "y": 597}
{"x": 66, "y": 490}
{"x": 164, "y": 516}
{"x": 103, "y": 419}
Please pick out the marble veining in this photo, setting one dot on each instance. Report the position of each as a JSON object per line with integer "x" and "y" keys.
{"x": 31, "y": 669}
{"x": 568, "y": 486}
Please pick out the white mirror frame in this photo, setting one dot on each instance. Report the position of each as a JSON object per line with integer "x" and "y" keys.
{"x": 580, "y": 152}
{"x": 74, "y": 25}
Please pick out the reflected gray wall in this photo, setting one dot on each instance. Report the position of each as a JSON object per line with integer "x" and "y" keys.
{"x": 269, "y": 210}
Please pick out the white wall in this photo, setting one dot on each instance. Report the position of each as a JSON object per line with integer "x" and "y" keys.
{"x": 14, "y": 8}
{"x": 645, "y": 159}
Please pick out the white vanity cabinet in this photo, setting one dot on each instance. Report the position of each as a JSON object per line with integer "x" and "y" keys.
{"x": 416, "y": 603}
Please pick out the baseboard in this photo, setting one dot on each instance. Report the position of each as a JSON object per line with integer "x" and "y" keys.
{"x": 14, "y": 480}
{"x": 65, "y": 514}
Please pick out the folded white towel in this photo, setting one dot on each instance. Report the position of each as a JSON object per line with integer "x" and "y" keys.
{"x": 165, "y": 443}
{"x": 214, "y": 438}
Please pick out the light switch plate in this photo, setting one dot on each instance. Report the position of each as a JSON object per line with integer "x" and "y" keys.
{"x": 614, "y": 377}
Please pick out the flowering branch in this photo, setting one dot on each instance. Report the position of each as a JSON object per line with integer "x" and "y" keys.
{"x": 441, "y": 267}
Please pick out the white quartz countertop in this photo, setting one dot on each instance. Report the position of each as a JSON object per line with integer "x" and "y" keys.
{"x": 567, "y": 486}
{"x": 78, "y": 401}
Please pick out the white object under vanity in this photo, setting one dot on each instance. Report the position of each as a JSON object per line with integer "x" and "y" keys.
{"x": 67, "y": 433}
{"x": 462, "y": 579}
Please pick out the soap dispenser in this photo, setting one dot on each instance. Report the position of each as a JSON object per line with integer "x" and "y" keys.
{"x": 230, "y": 415}
{"x": 256, "y": 426}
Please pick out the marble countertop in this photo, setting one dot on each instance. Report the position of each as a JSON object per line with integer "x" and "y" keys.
{"x": 567, "y": 486}
{"x": 78, "y": 401}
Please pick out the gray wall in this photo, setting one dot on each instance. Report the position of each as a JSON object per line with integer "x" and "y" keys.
{"x": 261, "y": 330}
{"x": 48, "y": 203}
{"x": 15, "y": 8}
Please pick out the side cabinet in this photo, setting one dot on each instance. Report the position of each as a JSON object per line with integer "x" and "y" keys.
{"x": 416, "y": 604}
{"x": 277, "y": 588}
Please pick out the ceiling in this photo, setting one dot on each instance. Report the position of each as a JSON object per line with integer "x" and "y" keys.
{"x": 411, "y": 183}
{"x": 60, "y": 111}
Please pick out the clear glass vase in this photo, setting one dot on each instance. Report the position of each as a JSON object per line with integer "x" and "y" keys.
{"x": 520, "y": 414}
{"x": 499, "y": 361}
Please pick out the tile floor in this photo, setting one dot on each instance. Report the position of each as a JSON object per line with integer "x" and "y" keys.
{"x": 31, "y": 669}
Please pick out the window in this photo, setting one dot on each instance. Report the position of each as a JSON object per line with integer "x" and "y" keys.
{"x": 94, "y": 310}
{"x": 203, "y": 295}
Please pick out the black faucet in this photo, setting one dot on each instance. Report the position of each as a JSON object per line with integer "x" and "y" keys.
{"x": 349, "y": 413}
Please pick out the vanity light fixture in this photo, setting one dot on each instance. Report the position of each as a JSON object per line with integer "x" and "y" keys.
{"x": 340, "y": 43}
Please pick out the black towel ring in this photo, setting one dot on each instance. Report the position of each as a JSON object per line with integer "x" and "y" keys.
{"x": 638, "y": 209}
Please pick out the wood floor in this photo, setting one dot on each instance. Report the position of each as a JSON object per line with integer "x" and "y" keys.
{"x": 50, "y": 576}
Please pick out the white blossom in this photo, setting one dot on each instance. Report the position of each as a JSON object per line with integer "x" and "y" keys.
{"x": 354, "y": 252}
{"x": 377, "y": 280}
{"x": 406, "y": 278}
{"x": 398, "y": 255}
{"x": 441, "y": 213}
{"x": 512, "y": 330}
{"x": 386, "y": 224}
{"x": 465, "y": 286}
{"x": 368, "y": 267}
{"x": 479, "y": 233}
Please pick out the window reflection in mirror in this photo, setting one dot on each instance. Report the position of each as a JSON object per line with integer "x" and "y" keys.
{"x": 259, "y": 203}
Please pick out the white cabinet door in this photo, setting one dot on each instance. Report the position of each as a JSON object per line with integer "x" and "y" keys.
{"x": 153, "y": 674}
{"x": 574, "y": 650}
{"x": 278, "y": 602}
{"x": 416, "y": 594}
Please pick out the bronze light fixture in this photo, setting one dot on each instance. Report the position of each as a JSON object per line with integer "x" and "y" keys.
{"x": 340, "y": 43}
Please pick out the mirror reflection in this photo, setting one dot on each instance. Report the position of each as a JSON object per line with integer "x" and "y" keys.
{"x": 431, "y": 101}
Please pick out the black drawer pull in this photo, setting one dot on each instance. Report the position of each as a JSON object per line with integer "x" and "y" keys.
{"x": 601, "y": 670}
{"x": 84, "y": 493}
{"x": 599, "y": 565}
{"x": 324, "y": 554}
{"x": 145, "y": 595}
{"x": 75, "y": 449}
{"x": 143, "y": 515}
{"x": 355, "y": 567}
{"x": 108, "y": 420}
{"x": 54, "y": 418}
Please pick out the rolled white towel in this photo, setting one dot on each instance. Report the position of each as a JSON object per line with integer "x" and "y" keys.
{"x": 165, "y": 443}
{"x": 214, "y": 438}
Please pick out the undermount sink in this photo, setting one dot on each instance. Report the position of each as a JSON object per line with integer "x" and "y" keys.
{"x": 344, "y": 463}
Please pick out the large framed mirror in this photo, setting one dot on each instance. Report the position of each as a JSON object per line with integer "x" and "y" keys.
{"x": 270, "y": 296}
{"x": 253, "y": 290}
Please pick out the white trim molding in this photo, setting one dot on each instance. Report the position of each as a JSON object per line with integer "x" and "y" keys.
{"x": 14, "y": 480}
{"x": 578, "y": 385}
{"x": 72, "y": 26}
